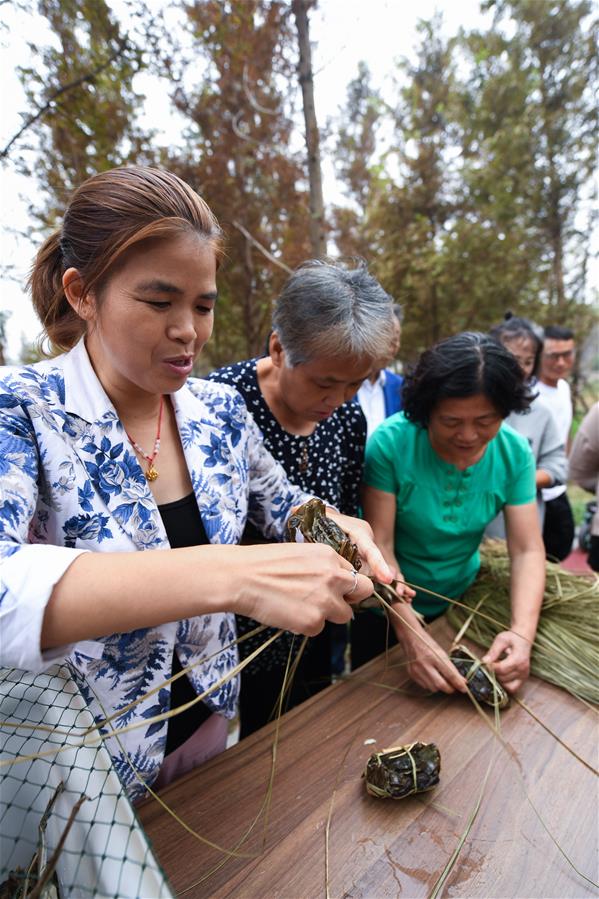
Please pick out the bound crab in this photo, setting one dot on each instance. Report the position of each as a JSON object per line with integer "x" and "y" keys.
{"x": 402, "y": 771}
{"x": 483, "y": 686}
{"x": 315, "y": 526}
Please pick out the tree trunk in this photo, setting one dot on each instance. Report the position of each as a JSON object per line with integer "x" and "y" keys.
{"x": 557, "y": 255}
{"x": 317, "y": 229}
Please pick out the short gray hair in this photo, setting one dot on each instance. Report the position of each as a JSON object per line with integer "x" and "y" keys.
{"x": 330, "y": 310}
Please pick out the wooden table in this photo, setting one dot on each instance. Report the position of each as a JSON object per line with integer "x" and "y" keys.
{"x": 380, "y": 848}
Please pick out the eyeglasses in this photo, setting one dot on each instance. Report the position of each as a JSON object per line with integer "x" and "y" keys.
{"x": 555, "y": 357}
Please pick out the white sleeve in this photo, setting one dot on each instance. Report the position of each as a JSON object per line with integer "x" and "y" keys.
{"x": 28, "y": 571}
{"x": 28, "y": 577}
{"x": 551, "y": 455}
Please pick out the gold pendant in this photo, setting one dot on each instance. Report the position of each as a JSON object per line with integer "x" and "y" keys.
{"x": 151, "y": 474}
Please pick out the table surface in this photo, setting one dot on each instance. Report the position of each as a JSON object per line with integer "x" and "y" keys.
{"x": 389, "y": 848}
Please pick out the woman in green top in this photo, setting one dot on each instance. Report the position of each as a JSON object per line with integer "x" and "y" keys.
{"x": 436, "y": 474}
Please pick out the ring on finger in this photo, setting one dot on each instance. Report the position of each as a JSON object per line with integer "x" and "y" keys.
{"x": 355, "y": 584}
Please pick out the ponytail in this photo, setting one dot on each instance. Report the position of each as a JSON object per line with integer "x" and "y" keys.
{"x": 60, "y": 322}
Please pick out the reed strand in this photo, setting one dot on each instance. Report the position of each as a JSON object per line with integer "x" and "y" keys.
{"x": 566, "y": 647}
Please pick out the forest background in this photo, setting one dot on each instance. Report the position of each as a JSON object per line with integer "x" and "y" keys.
{"x": 469, "y": 192}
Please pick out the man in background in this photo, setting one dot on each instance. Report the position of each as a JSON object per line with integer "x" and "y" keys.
{"x": 557, "y": 361}
{"x": 380, "y": 394}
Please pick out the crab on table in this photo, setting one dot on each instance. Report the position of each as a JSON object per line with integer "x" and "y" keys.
{"x": 402, "y": 771}
{"x": 483, "y": 686}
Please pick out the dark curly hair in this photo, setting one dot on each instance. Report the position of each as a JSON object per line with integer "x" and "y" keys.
{"x": 465, "y": 365}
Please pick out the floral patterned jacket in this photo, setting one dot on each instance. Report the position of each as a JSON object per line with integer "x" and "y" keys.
{"x": 70, "y": 483}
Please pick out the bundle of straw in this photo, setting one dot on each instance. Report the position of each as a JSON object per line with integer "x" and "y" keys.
{"x": 566, "y": 648}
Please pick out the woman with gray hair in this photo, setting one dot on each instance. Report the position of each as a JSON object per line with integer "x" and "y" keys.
{"x": 331, "y": 326}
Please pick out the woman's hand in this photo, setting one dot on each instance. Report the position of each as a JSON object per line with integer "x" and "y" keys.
{"x": 509, "y": 655}
{"x": 380, "y": 510}
{"x": 298, "y": 586}
{"x": 295, "y": 586}
{"x": 509, "y": 659}
{"x": 400, "y": 586}
{"x": 360, "y": 533}
{"x": 428, "y": 664}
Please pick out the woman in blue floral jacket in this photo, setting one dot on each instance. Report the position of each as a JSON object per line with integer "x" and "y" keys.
{"x": 110, "y": 456}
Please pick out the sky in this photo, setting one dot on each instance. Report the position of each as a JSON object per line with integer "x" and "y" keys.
{"x": 343, "y": 32}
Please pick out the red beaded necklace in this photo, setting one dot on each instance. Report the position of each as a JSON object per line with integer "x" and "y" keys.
{"x": 151, "y": 473}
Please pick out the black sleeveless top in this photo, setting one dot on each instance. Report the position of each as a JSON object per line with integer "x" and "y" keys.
{"x": 328, "y": 463}
{"x": 184, "y": 527}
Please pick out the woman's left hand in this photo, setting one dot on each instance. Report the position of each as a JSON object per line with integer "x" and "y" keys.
{"x": 360, "y": 533}
{"x": 509, "y": 654}
{"x": 509, "y": 659}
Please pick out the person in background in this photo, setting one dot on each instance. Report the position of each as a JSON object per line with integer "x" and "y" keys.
{"x": 537, "y": 424}
{"x": 584, "y": 470}
{"x": 557, "y": 360}
{"x": 124, "y": 484}
{"x": 380, "y": 394}
{"x": 435, "y": 475}
{"x": 329, "y": 329}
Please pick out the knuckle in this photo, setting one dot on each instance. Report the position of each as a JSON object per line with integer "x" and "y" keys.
{"x": 319, "y": 551}
{"x": 329, "y": 552}
{"x": 366, "y": 528}
{"x": 342, "y": 615}
{"x": 314, "y": 622}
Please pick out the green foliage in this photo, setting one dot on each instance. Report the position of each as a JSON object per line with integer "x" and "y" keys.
{"x": 470, "y": 194}
{"x": 238, "y": 155}
{"x": 355, "y": 152}
{"x": 409, "y": 218}
{"x": 482, "y": 203}
{"x": 531, "y": 122}
{"x": 81, "y": 86}
{"x": 578, "y": 500}
{"x": 30, "y": 352}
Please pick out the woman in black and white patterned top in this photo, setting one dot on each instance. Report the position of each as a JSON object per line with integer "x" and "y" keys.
{"x": 331, "y": 325}
{"x": 328, "y": 461}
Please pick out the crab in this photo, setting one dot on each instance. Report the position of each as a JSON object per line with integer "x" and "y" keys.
{"x": 482, "y": 684}
{"x": 313, "y": 523}
{"x": 315, "y": 526}
{"x": 403, "y": 770}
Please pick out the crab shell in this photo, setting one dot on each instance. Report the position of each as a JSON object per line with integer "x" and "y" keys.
{"x": 482, "y": 684}
{"x": 311, "y": 520}
{"x": 403, "y": 770}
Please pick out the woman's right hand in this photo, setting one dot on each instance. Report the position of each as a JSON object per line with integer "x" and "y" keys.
{"x": 428, "y": 664}
{"x": 294, "y": 586}
{"x": 298, "y": 586}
